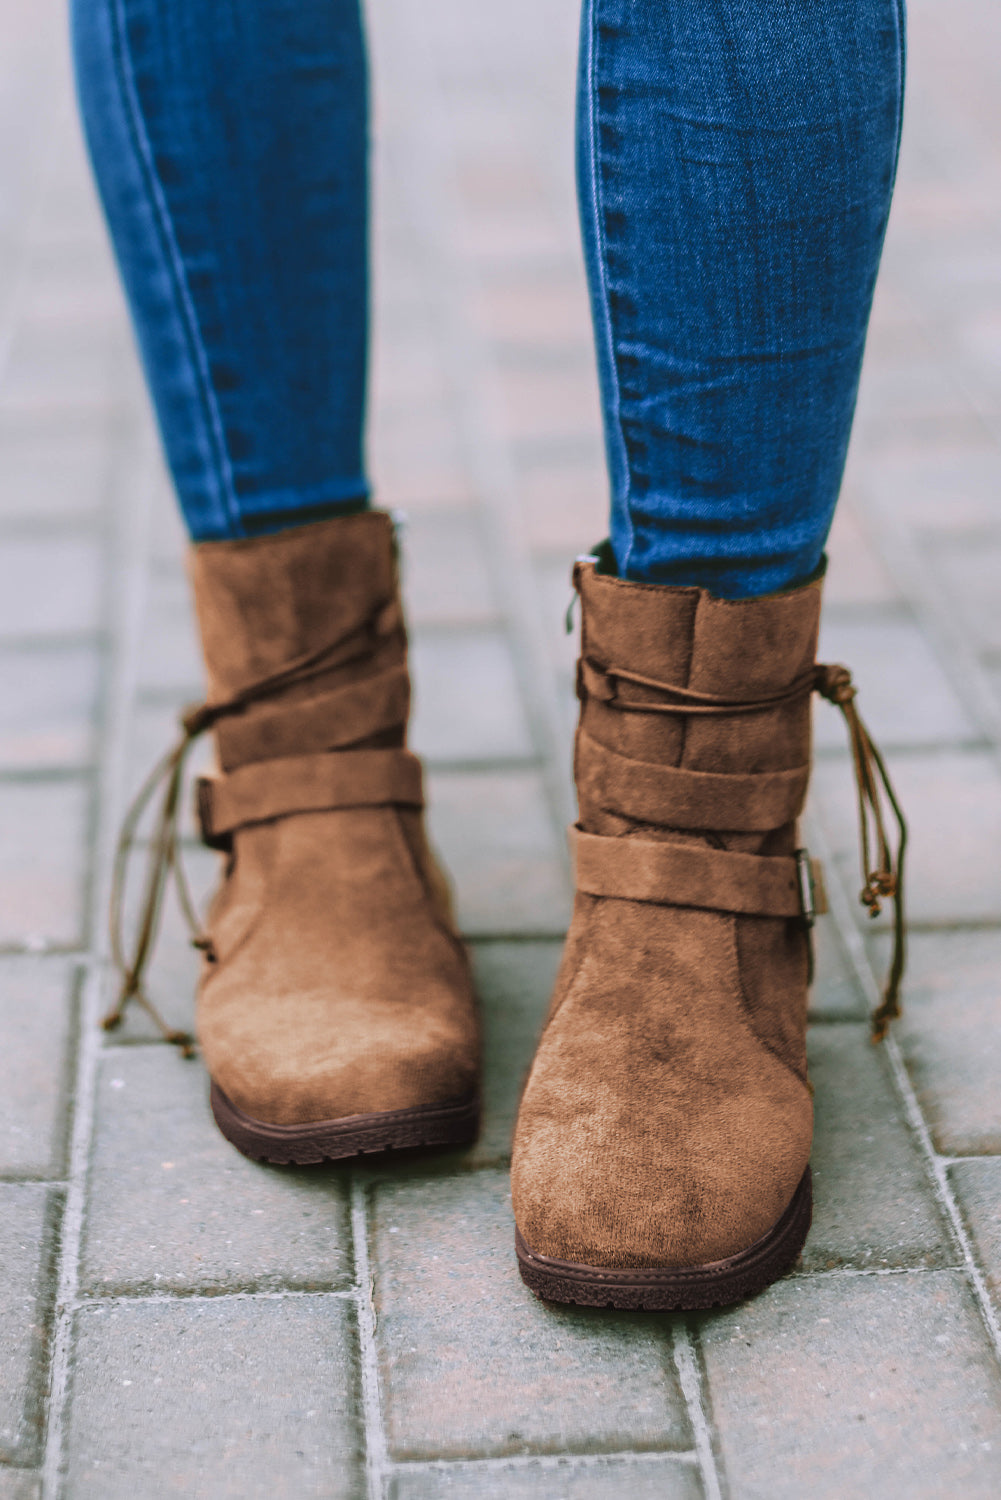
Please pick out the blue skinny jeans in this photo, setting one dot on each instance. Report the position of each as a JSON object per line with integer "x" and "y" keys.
{"x": 735, "y": 167}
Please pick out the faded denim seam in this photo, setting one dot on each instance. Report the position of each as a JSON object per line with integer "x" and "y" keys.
{"x": 184, "y": 306}
{"x": 602, "y": 304}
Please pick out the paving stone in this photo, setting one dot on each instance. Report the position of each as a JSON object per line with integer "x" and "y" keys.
{"x": 855, "y": 573}
{"x": 494, "y": 832}
{"x": 37, "y": 1022}
{"x": 937, "y": 485}
{"x": 467, "y": 705}
{"x": 514, "y": 982}
{"x": 533, "y": 313}
{"x": 950, "y": 1038}
{"x": 171, "y": 656}
{"x": 920, "y": 397}
{"x": 553, "y": 403}
{"x": 445, "y": 578}
{"x": 952, "y": 801}
{"x": 977, "y": 1185}
{"x": 42, "y": 479}
{"x": 42, "y": 860}
{"x": 19, "y": 1484}
{"x": 27, "y": 1212}
{"x": 417, "y": 460}
{"x": 856, "y": 1385}
{"x": 250, "y": 1398}
{"x": 971, "y": 571}
{"x": 48, "y": 708}
{"x": 49, "y": 370}
{"x": 659, "y": 1477}
{"x": 564, "y": 505}
{"x": 904, "y": 694}
{"x": 173, "y": 1206}
{"x": 172, "y": 976}
{"x": 474, "y": 1366}
{"x": 873, "y": 1202}
{"x": 49, "y": 585}
{"x": 834, "y": 994}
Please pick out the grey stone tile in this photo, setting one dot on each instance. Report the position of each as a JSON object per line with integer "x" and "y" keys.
{"x": 563, "y": 495}
{"x": 646, "y": 1477}
{"x": 925, "y": 398}
{"x": 27, "y": 1212}
{"x": 856, "y": 575}
{"x": 19, "y": 1484}
{"x": 37, "y": 1022}
{"x": 937, "y": 486}
{"x": 856, "y": 1385}
{"x": 154, "y": 728}
{"x": 495, "y": 833}
{"x": 41, "y": 480}
{"x": 873, "y": 1202}
{"x": 950, "y": 1038}
{"x": 971, "y": 572}
{"x": 171, "y": 656}
{"x": 952, "y": 801}
{"x": 50, "y": 370}
{"x": 466, "y": 700}
{"x": 49, "y": 585}
{"x": 555, "y": 403}
{"x": 474, "y": 1366}
{"x": 254, "y": 1399}
{"x": 172, "y": 974}
{"x": 514, "y": 982}
{"x": 905, "y": 696}
{"x": 42, "y": 860}
{"x": 834, "y": 994}
{"x": 445, "y": 577}
{"x": 173, "y": 1206}
{"x": 49, "y": 706}
{"x": 977, "y": 1185}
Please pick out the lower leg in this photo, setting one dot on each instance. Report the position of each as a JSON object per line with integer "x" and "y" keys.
{"x": 229, "y": 144}
{"x": 736, "y": 165}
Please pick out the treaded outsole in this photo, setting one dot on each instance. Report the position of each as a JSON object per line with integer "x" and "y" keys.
{"x": 675, "y": 1288}
{"x": 453, "y": 1123}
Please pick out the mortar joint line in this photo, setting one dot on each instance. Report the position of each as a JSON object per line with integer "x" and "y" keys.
{"x": 686, "y": 1361}
{"x": 935, "y": 1166}
{"x": 128, "y": 552}
{"x": 377, "y": 1466}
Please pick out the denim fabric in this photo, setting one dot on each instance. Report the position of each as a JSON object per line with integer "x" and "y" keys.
{"x": 735, "y": 166}
{"x": 229, "y": 142}
{"x": 736, "y": 162}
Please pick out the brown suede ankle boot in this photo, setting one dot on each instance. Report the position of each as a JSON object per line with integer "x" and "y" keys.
{"x": 335, "y": 1011}
{"x": 661, "y": 1155}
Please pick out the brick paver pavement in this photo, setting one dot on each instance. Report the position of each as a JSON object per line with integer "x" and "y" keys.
{"x": 177, "y": 1320}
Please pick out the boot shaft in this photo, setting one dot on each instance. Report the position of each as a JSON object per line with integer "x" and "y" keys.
{"x": 325, "y": 597}
{"x": 675, "y": 678}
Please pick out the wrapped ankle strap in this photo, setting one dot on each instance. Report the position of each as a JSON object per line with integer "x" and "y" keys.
{"x": 270, "y": 789}
{"x": 882, "y": 865}
{"x": 384, "y": 620}
{"x": 670, "y": 874}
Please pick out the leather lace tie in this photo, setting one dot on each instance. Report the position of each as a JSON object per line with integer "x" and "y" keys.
{"x": 882, "y": 868}
{"x": 164, "y": 856}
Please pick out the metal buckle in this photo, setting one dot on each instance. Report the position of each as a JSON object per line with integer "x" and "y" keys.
{"x": 807, "y": 890}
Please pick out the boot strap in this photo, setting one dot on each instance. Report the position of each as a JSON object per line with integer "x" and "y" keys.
{"x": 691, "y": 875}
{"x": 674, "y": 797}
{"x": 269, "y": 789}
{"x": 340, "y": 716}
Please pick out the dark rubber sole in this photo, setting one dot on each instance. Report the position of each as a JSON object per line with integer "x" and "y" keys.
{"x": 675, "y": 1288}
{"x": 454, "y": 1123}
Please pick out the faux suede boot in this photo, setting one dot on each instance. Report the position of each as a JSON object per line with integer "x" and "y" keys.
{"x": 661, "y": 1154}
{"x": 335, "y": 1010}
